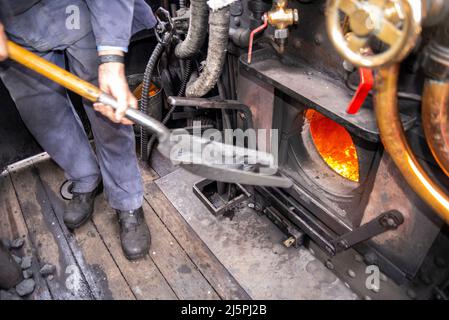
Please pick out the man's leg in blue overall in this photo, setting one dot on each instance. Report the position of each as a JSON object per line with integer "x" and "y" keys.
{"x": 48, "y": 113}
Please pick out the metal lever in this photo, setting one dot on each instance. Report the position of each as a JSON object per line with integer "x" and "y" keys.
{"x": 165, "y": 25}
{"x": 253, "y": 33}
{"x": 389, "y": 220}
{"x": 365, "y": 85}
{"x": 214, "y": 104}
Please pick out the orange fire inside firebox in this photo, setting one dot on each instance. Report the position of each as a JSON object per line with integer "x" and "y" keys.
{"x": 334, "y": 144}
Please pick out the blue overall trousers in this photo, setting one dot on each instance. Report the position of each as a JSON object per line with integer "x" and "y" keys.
{"x": 47, "y": 110}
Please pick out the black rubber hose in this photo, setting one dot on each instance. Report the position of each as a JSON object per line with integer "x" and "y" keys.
{"x": 181, "y": 92}
{"x": 146, "y": 82}
{"x": 144, "y": 100}
{"x": 185, "y": 78}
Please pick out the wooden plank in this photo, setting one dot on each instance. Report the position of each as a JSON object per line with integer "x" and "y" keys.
{"x": 182, "y": 275}
{"x": 47, "y": 237}
{"x": 177, "y": 267}
{"x": 143, "y": 277}
{"x": 174, "y": 264}
{"x": 98, "y": 262}
{"x": 12, "y": 226}
{"x": 216, "y": 274}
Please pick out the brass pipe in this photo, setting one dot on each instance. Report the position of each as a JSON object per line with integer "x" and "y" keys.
{"x": 395, "y": 143}
{"x": 435, "y": 120}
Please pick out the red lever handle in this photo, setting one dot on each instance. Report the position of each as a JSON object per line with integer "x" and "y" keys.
{"x": 253, "y": 33}
{"x": 365, "y": 85}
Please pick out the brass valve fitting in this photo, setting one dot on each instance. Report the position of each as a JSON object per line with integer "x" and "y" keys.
{"x": 282, "y": 17}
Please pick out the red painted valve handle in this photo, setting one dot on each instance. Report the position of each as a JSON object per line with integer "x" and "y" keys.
{"x": 365, "y": 85}
{"x": 253, "y": 33}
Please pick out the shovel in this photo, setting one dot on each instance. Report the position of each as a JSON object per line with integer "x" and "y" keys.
{"x": 184, "y": 149}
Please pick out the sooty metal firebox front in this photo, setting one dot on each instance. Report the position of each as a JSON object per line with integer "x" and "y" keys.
{"x": 334, "y": 206}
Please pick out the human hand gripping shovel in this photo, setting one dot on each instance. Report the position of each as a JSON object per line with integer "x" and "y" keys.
{"x": 184, "y": 149}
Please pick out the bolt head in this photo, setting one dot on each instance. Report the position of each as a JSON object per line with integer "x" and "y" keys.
{"x": 391, "y": 222}
{"x": 329, "y": 265}
{"x": 281, "y": 33}
{"x": 318, "y": 39}
{"x": 351, "y": 273}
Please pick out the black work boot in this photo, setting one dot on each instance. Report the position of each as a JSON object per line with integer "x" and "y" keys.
{"x": 80, "y": 208}
{"x": 134, "y": 233}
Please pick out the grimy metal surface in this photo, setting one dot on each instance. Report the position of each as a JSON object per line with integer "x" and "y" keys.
{"x": 251, "y": 248}
{"x": 409, "y": 244}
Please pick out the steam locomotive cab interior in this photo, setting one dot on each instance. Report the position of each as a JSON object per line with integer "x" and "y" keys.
{"x": 349, "y": 96}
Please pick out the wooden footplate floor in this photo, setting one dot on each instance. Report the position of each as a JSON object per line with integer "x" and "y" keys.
{"x": 89, "y": 261}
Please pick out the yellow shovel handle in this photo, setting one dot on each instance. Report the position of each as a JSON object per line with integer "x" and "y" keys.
{"x": 53, "y": 72}
{"x": 81, "y": 87}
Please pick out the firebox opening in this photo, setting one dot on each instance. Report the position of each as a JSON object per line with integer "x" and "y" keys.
{"x": 334, "y": 144}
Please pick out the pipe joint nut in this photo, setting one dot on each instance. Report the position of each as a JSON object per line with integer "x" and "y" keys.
{"x": 435, "y": 61}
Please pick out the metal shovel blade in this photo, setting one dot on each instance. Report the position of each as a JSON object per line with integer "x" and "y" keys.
{"x": 223, "y": 162}
{"x": 210, "y": 159}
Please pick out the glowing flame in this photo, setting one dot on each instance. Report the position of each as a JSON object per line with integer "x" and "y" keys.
{"x": 334, "y": 144}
